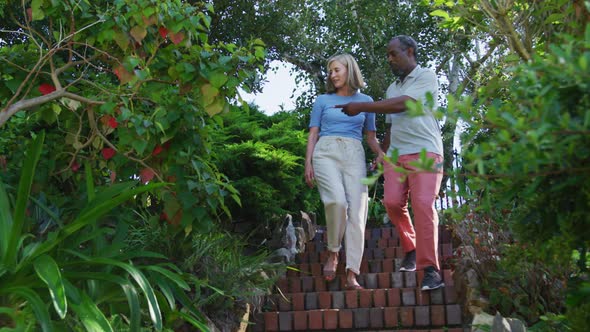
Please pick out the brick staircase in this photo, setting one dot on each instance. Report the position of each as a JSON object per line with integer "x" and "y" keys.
{"x": 391, "y": 300}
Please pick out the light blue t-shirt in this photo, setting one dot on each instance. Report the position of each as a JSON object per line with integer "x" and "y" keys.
{"x": 331, "y": 120}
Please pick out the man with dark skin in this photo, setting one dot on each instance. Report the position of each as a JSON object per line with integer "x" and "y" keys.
{"x": 410, "y": 135}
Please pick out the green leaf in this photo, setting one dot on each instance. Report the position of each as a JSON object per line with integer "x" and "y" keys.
{"x": 177, "y": 279}
{"x": 135, "y": 273}
{"x": 38, "y": 13}
{"x": 104, "y": 202}
{"x": 36, "y": 304}
{"x": 24, "y": 190}
{"x": 218, "y": 79}
{"x": 128, "y": 288}
{"x": 5, "y": 223}
{"x": 92, "y": 318}
{"x": 440, "y": 13}
{"x": 48, "y": 271}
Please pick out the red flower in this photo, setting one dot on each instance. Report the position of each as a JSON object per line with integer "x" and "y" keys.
{"x": 46, "y": 89}
{"x": 163, "y": 216}
{"x": 157, "y": 150}
{"x": 112, "y": 122}
{"x": 108, "y": 153}
{"x": 146, "y": 175}
{"x": 75, "y": 166}
{"x": 163, "y": 32}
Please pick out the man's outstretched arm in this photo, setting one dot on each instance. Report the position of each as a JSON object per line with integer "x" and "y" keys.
{"x": 386, "y": 106}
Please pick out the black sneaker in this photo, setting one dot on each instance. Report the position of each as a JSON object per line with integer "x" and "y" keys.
{"x": 409, "y": 262}
{"x": 432, "y": 279}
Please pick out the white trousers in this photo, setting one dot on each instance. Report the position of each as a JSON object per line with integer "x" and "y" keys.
{"x": 339, "y": 166}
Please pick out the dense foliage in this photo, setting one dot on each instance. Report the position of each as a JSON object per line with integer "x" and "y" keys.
{"x": 525, "y": 153}
{"x": 117, "y": 96}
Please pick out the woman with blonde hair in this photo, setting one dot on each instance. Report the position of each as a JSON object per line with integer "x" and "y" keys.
{"x": 335, "y": 160}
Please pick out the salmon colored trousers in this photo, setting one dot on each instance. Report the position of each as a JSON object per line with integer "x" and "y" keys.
{"x": 421, "y": 188}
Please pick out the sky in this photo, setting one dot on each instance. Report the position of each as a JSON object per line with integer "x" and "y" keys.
{"x": 276, "y": 91}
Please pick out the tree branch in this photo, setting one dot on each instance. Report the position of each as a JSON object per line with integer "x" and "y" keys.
{"x": 20, "y": 105}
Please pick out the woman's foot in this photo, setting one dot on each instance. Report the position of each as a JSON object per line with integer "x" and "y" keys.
{"x": 330, "y": 266}
{"x": 351, "y": 282}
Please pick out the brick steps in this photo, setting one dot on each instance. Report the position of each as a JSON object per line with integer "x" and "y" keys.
{"x": 316, "y": 282}
{"x": 391, "y": 300}
{"x": 421, "y": 317}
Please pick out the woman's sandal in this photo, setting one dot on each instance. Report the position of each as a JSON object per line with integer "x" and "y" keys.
{"x": 353, "y": 287}
{"x": 330, "y": 275}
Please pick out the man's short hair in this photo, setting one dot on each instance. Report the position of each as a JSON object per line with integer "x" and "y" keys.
{"x": 407, "y": 42}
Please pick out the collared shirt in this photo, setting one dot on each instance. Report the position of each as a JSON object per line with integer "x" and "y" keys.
{"x": 409, "y": 133}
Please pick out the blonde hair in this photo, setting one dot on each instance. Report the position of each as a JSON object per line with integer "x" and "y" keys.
{"x": 355, "y": 78}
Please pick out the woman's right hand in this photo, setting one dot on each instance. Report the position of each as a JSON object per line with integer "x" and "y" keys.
{"x": 309, "y": 175}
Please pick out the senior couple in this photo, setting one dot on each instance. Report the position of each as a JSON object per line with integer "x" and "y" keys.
{"x": 335, "y": 161}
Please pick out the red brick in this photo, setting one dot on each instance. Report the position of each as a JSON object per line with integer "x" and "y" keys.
{"x": 394, "y": 242}
{"x": 437, "y": 315}
{"x": 325, "y": 300}
{"x": 389, "y": 252}
{"x": 320, "y": 284}
{"x": 331, "y": 319}
{"x": 379, "y": 298}
{"x": 393, "y": 297}
{"x": 407, "y": 316}
{"x": 313, "y": 257}
{"x": 316, "y": 321}
{"x": 448, "y": 277}
{"x": 315, "y": 269}
{"x": 388, "y": 265}
{"x": 292, "y": 273}
{"x": 283, "y": 284}
{"x": 295, "y": 284}
{"x": 300, "y": 320}
{"x": 298, "y": 301}
{"x": 384, "y": 280}
{"x": 422, "y": 298}
{"x": 383, "y": 243}
{"x": 385, "y": 232}
{"x": 422, "y": 314}
{"x": 271, "y": 321}
{"x": 390, "y": 316}
{"x": 450, "y": 294}
{"x": 365, "y": 298}
{"x": 351, "y": 299}
{"x": 284, "y": 302}
{"x": 303, "y": 269}
{"x": 345, "y": 319}
{"x": 364, "y": 266}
